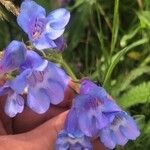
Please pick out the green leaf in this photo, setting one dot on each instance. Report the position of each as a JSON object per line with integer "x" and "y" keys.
{"x": 115, "y": 25}
{"x": 129, "y": 36}
{"x": 144, "y": 17}
{"x": 116, "y": 58}
{"x": 133, "y": 75}
{"x": 136, "y": 95}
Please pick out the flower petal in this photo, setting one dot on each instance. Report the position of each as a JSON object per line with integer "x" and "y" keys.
{"x": 107, "y": 138}
{"x": 55, "y": 91}
{"x": 71, "y": 124}
{"x": 120, "y": 138}
{"x": 110, "y": 106}
{"x": 53, "y": 34}
{"x": 33, "y": 60}
{"x": 59, "y": 18}
{"x": 38, "y": 100}
{"x": 87, "y": 124}
{"x": 29, "y": 11}
{"x": 61, "y": 44}
{"x": 54, "y": 72}
{"x": 19, "y": 83}
{"x": 66, "y": 141}
{"x": 44, "y": 42}
{"x": 130, "y": 129}
{"x": 88, "y": 87}
{"x": 14, "y": 104}
{"x": 14, "y": 56}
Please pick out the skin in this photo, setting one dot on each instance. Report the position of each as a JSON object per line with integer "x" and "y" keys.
{"x": 31, "y": 131}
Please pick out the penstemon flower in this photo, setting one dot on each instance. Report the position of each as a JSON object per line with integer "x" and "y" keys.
{"x": 121, "y": 129}
{"x": 13, "y": 57}
{"x": 95, "y": 114}
{"x": 43, "y": 31}
{"x": 91, "y": 106}
{"x": 44, "y": 83}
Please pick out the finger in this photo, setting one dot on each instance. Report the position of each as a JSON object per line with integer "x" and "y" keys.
{"x": 2, "y": 130}
{"x": 70, "y": 92}
{"x": 5, "y": 120}
{"x": 97, "y": 145}
{"x": 46, "y": 134}
{"x": 28, "y": 120}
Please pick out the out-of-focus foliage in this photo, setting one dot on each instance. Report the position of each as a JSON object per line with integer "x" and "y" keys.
{"x": 108, "y": 41}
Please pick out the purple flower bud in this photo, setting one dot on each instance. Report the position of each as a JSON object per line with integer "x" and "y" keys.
{"x": 42, "y": 30}
{"x": 61, "y": 44}
{"x": 14, "y": 56}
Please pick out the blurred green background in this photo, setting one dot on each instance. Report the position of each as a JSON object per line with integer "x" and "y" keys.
{"x": 109, "y": 42}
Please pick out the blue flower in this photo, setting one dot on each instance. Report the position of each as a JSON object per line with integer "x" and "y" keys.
{"x": 95, "y": 114}
{"x": 14, "y": 55}
{"x": 121, "y": 129}
{"x": 42, "y": 31}
{"x": 44, "y": 81}
{"x": 68, "y": 141}
{"x": 90, "y": 108}
{"x": 72, "y": 125}
{"x": 14, "y": 102}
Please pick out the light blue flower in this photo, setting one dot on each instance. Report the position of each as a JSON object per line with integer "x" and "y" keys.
{"x": 121, "y": 129}
{"x": 45, "y": 82}
{"x": 42, "y": 31}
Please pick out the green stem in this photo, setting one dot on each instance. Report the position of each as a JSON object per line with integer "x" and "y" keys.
{"x": 115, "y": 27}
{"x": 68, "y": 70}
{"x": 59, "y": 59}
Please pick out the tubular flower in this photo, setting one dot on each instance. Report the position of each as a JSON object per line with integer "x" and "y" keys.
{"x": 14, "y": 101}
{"x": 95, "y": 114}
{"x": 42, "y": 31}
{"x": 72, "y": 137}
{"x": 13, "y": 57}
{"x": 91, "y": 106}
{"x": 46, "y": 82}
{"x": 121, "y": 129}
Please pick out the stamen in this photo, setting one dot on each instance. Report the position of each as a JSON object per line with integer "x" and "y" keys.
{"x": 38, "y": 28}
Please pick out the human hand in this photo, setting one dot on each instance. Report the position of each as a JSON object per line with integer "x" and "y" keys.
{"x": 36, "y": 132}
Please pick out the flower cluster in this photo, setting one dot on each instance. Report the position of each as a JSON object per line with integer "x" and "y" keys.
{"x": 37, "y": 78}
{"x": 37, "y": 83}
{"x": 94, "y": 114}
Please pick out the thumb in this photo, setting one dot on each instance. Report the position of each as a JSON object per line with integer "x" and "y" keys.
{"x": 46, "y": 134}
{"x": 41, "y": 138}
